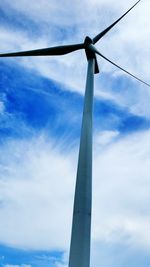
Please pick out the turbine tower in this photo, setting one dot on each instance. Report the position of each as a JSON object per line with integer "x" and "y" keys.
{"x": 81, "y": 225}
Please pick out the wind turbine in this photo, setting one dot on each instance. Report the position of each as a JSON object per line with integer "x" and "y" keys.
{"x": 81, "y": 225}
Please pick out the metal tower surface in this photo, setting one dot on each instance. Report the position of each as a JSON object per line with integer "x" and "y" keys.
{"x": 81, "y": 226}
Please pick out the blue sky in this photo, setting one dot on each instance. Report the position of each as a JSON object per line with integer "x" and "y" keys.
{"x": 41, "y": 102}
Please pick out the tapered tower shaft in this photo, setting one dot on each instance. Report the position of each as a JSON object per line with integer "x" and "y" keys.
{"x": 81, "y": 226}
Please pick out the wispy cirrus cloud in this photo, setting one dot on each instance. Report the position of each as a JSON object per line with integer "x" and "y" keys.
{"x": 32, "y": 192}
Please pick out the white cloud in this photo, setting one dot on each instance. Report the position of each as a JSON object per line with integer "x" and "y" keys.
{"x": 33, "y": 174}
{"x": 64, "y": 260}
{"x": 2, "y": 107}
{"x": 121, "y": 186}
{"x": 37, "y": 185}
{"x": 105, "y": 137}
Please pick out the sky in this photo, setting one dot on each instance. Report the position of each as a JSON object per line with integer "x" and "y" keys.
{"x": 41, "y": 103}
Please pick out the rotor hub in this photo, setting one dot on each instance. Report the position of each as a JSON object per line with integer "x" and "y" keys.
{"x": 88, "y": 41}
{"x": 89, "y": 53}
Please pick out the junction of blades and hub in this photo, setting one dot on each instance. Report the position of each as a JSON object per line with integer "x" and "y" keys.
{"x": 89, "y": 53}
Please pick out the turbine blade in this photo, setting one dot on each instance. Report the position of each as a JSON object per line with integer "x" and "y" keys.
{"x": 52, "y": 51}
{"x": 101, "y": 34}
{"x": 96, "y": 70}
{"x": 97, "y": 52}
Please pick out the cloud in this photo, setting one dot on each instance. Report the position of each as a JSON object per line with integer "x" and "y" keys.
{"x": 64, "y": 260}
{"x": 105, "y": 137}
{"x": 37, "y": 186}
{"x": 2, "y": 107}
{"x": 121, "y": 192}
{"x": 27, "y": 197}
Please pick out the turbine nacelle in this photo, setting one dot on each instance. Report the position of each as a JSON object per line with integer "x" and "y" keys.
{"x": 90, "y": 54}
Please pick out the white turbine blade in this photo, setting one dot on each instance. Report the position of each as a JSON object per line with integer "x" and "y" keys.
{"x": 135, "y": 77}
{"x": 101, "y": 34}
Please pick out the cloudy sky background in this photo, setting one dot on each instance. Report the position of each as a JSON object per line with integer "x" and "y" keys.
{"x": 41, "y": 102}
